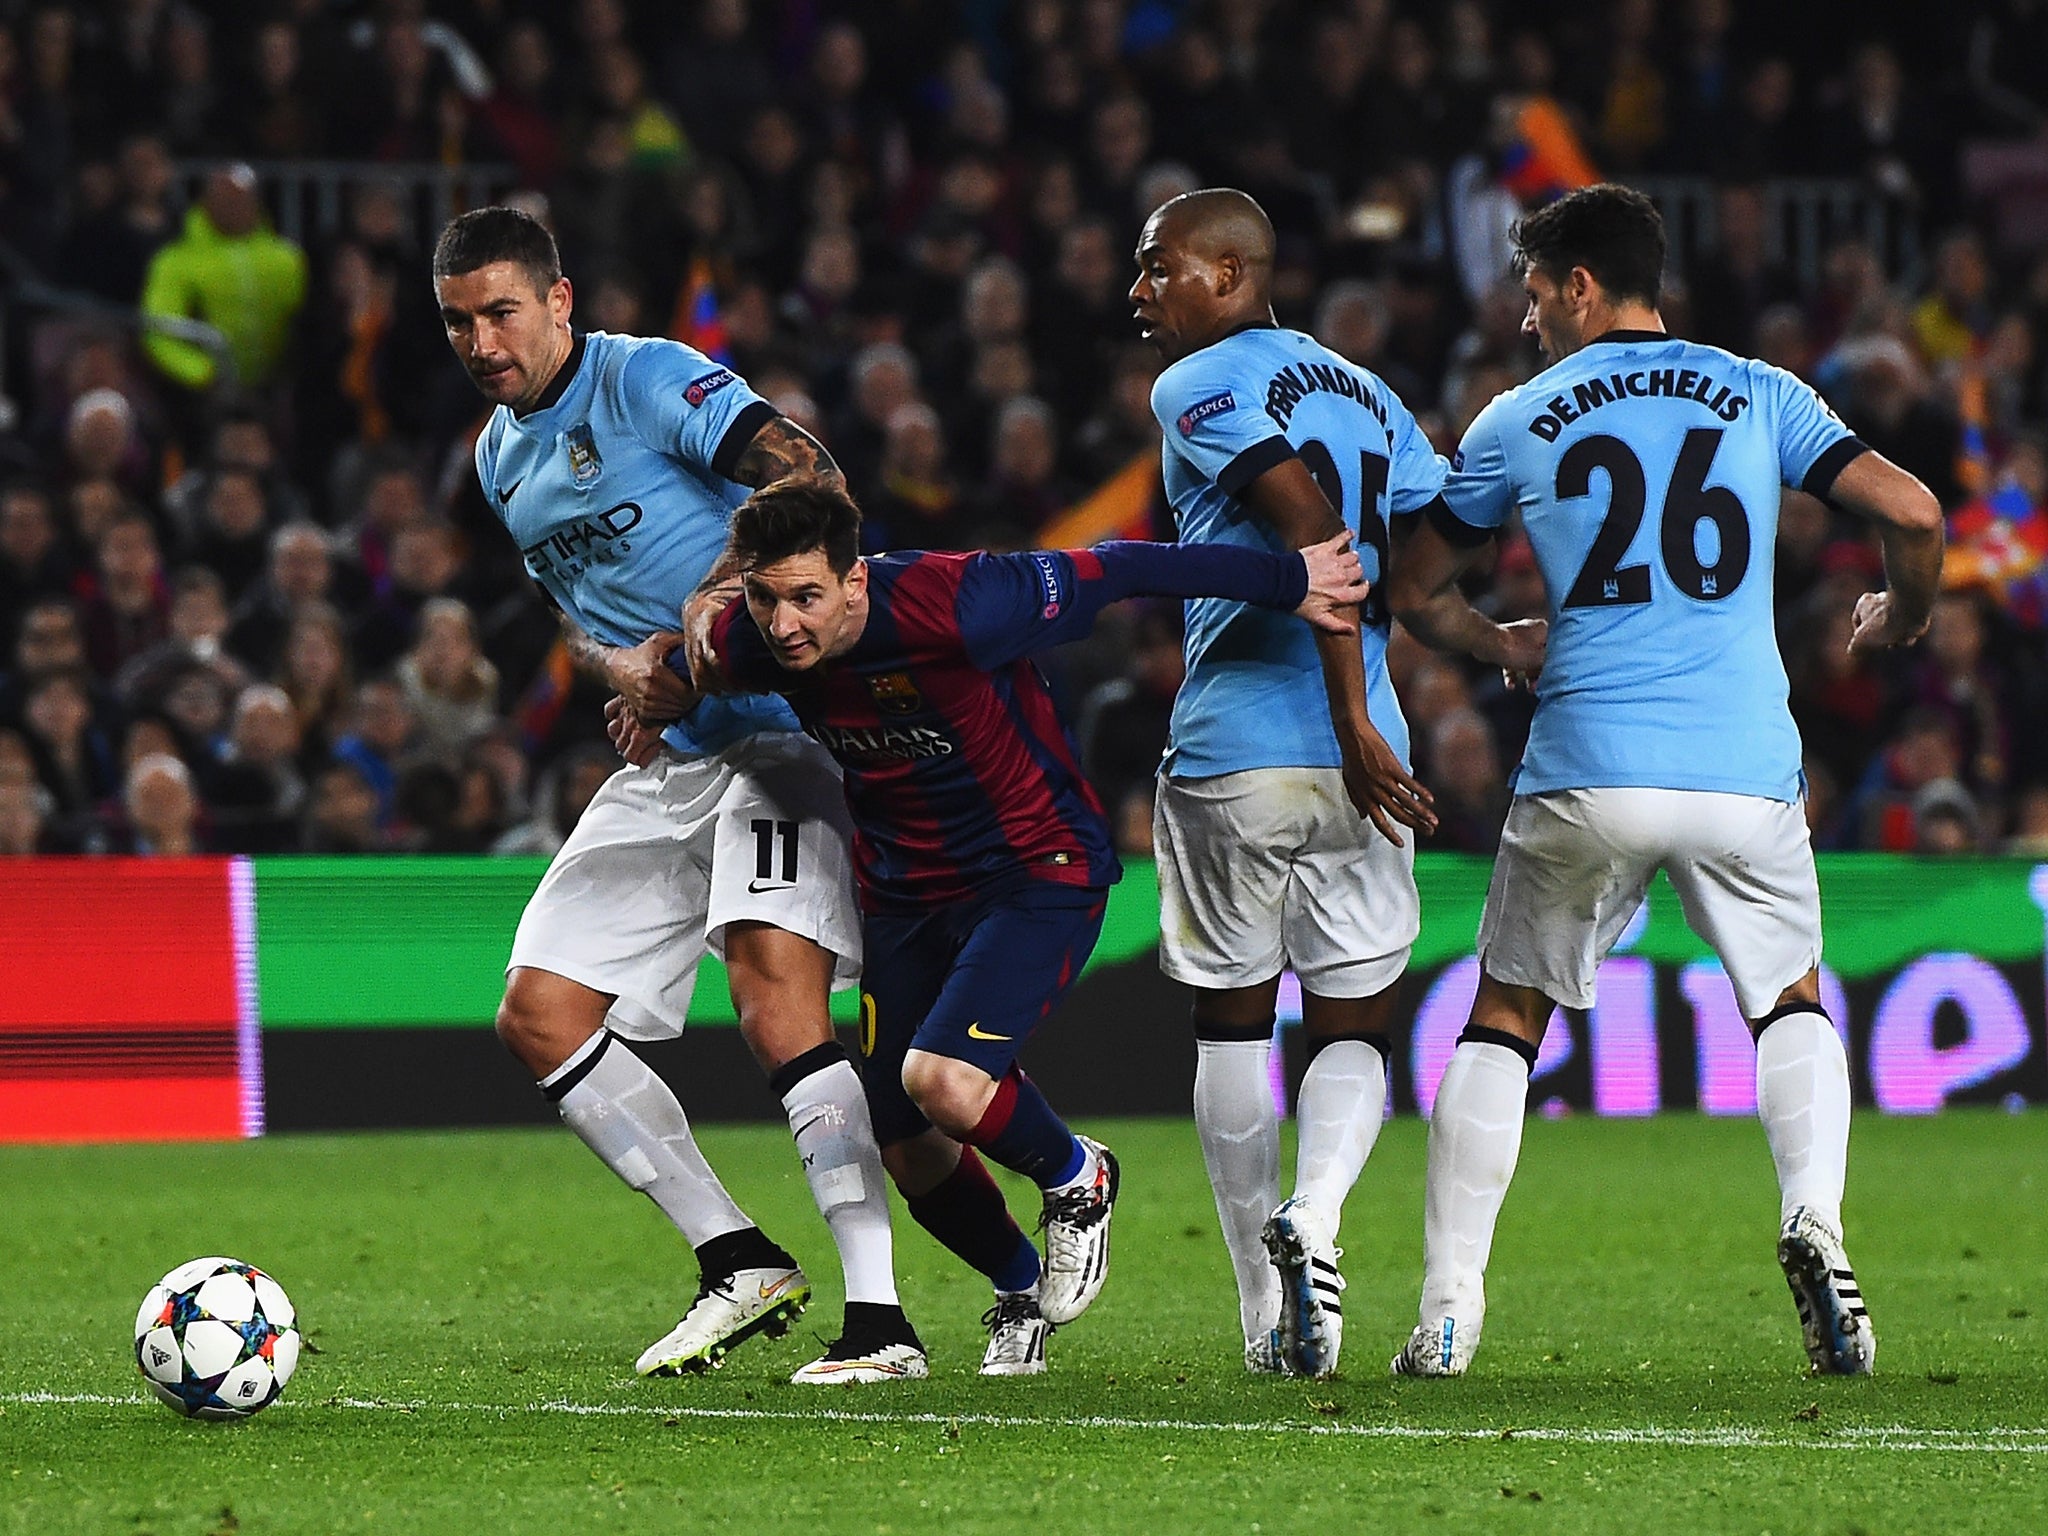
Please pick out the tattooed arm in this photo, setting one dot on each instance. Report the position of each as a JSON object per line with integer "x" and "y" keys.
{"x": 639, "y": 674}
{"x": 781, "y": 449}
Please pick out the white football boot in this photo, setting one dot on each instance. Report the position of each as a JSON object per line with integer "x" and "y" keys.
{"x": 726, "y": 1315}
{"x": 1017, "y": 1331}
{"x": 1262, "y": 1355}
{"x": 844, "y": 1365}
{"x": 1832, "y": 1318}
{"x": 1304, "y": 1251}
{"x": 1076, "y": 1227}
{"x": 877, "y": 1344}
{"x": 1442, "y": 1346}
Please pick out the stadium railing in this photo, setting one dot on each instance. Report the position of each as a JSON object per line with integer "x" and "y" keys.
{"x": 309, "y": 198}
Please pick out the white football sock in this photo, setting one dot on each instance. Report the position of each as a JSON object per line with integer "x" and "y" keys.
{"x": 1475, "y": 1136}
{"x": 1802, "y": 1097}
{"x": 1240, "y": 1133}
{"x": 631, "y": 1119}
{"x": 828, "y": 1115}
{"x": 1343, "y": 1103}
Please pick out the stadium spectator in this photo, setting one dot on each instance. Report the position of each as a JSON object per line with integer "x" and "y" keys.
{"x": 23, "y": 828}
{"x": 114, "y": 238}
{"x": 916, "y": 503}
{"x": 426, "y": 560}
{"x": 300, "y": 570}
{"x": 280, "y": 114}
{"x": 34, "y": 562}
{"x": 198, "y": 626}
{"x": 317, "y": 677}
{"x": 230, "y": 271}
{"x": 343, "y": 816}
{"x": 1883, "y": 813}
{"x": 1734, "y": 285}
{"x": 565, "y": 790}
{"x": 383, "y": 730}
{"x": 1471, "y": 787}
{"x": 1024, "y": 488}
{"x": 451, "y": 687}
{"x": 1945, "y": 820}
{"x": 103, "y": 442}
{"x": 74, "y": 758}
{"x": 1955, "y": 678}
{"x": 258, "y": 793}
{"x": 162, "y": 808}
{"x": 126, "y": 606}
{"x": 1952, "y": 322}
{"x": 232, "y": 537}
{"x": 2029, "y": 839}
{"x": 1121, "y": 725}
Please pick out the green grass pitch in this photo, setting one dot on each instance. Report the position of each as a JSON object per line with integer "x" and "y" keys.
{"x": 477, "y": 1301}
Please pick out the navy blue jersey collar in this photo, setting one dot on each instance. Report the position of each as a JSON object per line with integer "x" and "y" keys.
{"x": 1625, "y": 336}
{"x": 565, "y": 375}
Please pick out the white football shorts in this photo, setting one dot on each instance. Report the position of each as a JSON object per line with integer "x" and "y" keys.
{"x": 1574, "y": 865}
{"x": 667, "y": 856}
{"x": 1271, "y": 867}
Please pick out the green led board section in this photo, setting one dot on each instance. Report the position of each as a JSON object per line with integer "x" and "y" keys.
{"x": 395, "y": 942}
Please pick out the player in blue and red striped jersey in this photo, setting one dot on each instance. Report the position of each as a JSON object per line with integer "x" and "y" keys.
{"x": 983, "y": 856}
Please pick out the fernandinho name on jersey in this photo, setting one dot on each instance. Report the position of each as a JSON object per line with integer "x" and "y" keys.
{"x": 617, "y": 488}
{"x": 1646, "y": 471}
{"x": 1254, "y": 694}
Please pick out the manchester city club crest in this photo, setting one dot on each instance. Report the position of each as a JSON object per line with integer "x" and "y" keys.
{"x": 895, "y": 694}
{"x": 585, "y": 462}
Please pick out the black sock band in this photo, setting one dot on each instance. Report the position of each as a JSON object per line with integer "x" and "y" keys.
{"x": 730, "y": 1252}
{"x": 816, "y": 1059}
{"x": 555, "y": 1092}
{"x": 874, "y": 1323}
{"x": 1785, "y": 1011}
{"x": 1479, "y": 1034}
{"x": 1233, "y": 1033}
{"x": 1318, "y": 1043}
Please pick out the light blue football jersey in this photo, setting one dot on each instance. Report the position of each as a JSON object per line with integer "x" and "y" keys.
{"x": 1647, "y": 472}
{"x": 618, "y": 493}
{"x": 1254, "y": 694}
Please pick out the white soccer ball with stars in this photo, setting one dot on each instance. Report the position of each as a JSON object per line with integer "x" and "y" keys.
{"x": 217, "y": 1339}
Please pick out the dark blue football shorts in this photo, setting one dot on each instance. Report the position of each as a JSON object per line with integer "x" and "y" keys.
{"x": 971, "y": 981}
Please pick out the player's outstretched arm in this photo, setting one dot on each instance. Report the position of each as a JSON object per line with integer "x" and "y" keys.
{"x": 1910, "y": 528}
{"x": 1423, "y": 594}
{"x": 1384, "y": 792}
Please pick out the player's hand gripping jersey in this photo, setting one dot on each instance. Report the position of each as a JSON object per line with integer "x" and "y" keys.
{"x": 618, "y": 491}
{"x": 1647, "y": 472}
{"x": 1254, "y": 695}
{"x": 960, "y": 775}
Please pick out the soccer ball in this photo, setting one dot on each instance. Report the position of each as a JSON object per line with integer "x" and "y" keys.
{"x": 217, "y": 1339}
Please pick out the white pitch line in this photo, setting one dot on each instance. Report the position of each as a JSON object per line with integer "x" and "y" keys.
{"x": 1887, "y": 1437}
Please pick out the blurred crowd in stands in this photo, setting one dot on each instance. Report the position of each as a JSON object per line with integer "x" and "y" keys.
{"x": 250, "y": 597}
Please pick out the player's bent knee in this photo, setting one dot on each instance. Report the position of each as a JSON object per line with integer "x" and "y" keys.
{"x": 543, "y": 1018}
{"x": 953, "y": 1095}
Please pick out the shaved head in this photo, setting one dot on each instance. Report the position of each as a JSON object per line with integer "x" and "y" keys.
{"x": 1205, "y": 269}
{"x": 1215, "y": 222}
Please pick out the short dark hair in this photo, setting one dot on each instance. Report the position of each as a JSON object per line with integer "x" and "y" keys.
{"x": 1614, "y": 232}
{"x": 486, "y": 235}
{"x": 793, "y": 517}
